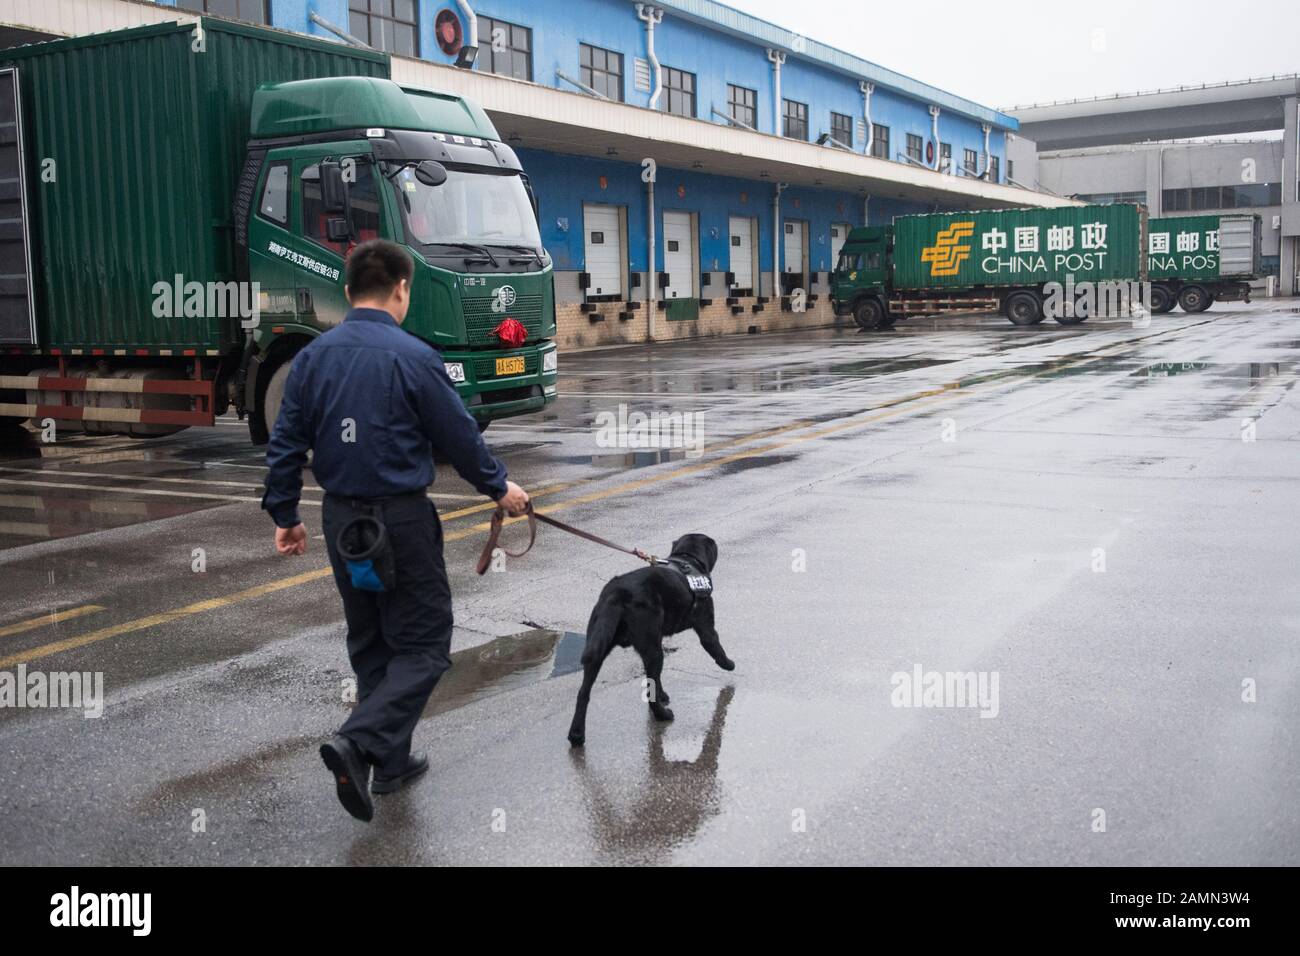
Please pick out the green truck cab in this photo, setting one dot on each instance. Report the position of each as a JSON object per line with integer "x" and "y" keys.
{"x": 184, "y": 199}
{"x": 860, "y": 284}
{"x": 337, "y": 161}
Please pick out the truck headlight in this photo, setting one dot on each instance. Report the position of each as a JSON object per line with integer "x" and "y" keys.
{"x": 456, "y": 371}
{"x": 551, "y": 361}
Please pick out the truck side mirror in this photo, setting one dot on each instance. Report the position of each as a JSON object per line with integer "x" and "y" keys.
{"x": 337, "y": 230}
{"x": 333, "y": 193}
{"x": 431, "y": 173}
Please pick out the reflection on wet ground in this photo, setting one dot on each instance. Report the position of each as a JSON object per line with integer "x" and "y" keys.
{"x": 644, "y": 819}
{"x": 505, "y": 663}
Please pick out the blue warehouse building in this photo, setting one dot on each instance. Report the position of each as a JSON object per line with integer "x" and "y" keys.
{"x": 694, "y": 165}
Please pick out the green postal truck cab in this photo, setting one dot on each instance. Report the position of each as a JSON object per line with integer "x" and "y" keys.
{"x": 334, "y": 162}
{"x": 860, "y": 283}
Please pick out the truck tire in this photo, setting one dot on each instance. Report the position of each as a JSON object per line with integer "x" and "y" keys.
{"x": 1162, "y": 300}
{"x": 272, "y": 395}
{"x": 1071, "y": 319}
{"x": 868, "y": 314}
{"x": 1194, "y": 299}
{"x": 1023, "y": 308}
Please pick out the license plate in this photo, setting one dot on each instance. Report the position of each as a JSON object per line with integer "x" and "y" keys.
{"x": 510, "y": 366}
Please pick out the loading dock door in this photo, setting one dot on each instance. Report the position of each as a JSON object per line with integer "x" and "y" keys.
{"x": 839, "y": 232}
{"x": 602, "y": 242}
{"x": 679, "y": 255}
{"x": 17, "y": 312}
{"x": 741, "y": 230}
{"x": 793, "y": 251}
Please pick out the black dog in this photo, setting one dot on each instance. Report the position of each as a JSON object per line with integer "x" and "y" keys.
{"x": 639, "y": 609}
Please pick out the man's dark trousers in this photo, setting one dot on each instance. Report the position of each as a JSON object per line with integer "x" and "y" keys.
{"x": 399, "y": 640}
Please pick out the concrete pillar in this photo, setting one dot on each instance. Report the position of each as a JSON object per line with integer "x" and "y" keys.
{"x": 1289, "y": 262}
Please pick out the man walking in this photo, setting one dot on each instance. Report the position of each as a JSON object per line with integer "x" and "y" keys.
{"x": 372, "y": 403}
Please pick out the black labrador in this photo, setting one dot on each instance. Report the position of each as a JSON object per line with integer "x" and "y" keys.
{"x": 639, "y": 609}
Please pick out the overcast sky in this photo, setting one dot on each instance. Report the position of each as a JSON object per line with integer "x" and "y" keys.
{"x": 1011, "y": 52}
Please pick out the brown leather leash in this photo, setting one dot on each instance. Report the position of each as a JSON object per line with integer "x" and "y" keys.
{"x": 498, "y": 520}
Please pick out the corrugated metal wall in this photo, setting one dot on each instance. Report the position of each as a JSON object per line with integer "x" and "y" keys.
{"x": 135, "y": 142}
{"x": 1013, "y": 247}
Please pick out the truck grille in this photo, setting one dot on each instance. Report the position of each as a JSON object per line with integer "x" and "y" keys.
{"x": 480, "y": 320}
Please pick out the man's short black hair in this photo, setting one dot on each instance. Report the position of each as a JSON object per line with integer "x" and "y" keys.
{"x": 375, "y": 268}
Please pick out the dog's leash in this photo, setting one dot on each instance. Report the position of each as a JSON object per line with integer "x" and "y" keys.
{"x": 498, "y": 520}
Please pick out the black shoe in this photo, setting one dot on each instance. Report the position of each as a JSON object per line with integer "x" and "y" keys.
{"x": 416, "y": 764}
{"x": 351, "y": 776}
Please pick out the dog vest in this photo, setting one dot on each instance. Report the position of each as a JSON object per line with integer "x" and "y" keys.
{"x": 701, "y": 584}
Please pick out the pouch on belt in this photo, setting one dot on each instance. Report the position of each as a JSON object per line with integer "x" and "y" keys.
{"x": 365, "y": 547}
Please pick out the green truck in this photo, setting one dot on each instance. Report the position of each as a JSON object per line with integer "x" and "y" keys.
{"x": 179, "y": 203}
{"x": 991, "y": 260}
{"x": 1196, "y": 260}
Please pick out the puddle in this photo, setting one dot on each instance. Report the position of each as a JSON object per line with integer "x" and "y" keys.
{"x": 749, "y": 464}
{"x": 1170, "y": 369}
{"x": 505, "y": 663}
{"x": 631, "y": 459}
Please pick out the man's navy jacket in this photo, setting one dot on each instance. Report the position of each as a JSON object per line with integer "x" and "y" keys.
{"x": 371, "y": 402}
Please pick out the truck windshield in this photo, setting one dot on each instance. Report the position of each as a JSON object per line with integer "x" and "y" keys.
{"x": 487, "y": 209}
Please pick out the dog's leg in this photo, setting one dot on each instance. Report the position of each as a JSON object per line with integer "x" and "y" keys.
{"x": 702, "y": 623}
{"x": 578, "y": 729}
{"x": 653, "y": 657}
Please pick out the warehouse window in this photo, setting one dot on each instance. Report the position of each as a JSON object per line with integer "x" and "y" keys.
{"x": 253, "y": 11}
{"x": 1106, "y": 199}
{"x": 602, "y": 71}
{"x": 390, "y": 25}
{"x": 913, "y": 147}
{"x": 1222, "y": 197}
{"x": 994, "y": 169}
{"x": 742, "y": 105}
{"x": 680, "y": 87}
{"x": 971, "y": 162}
{"x": 1011, "y": 173}
{"x": 879, "y": 141}
{"x": 945, "y": 157}
{"x": 794, "y": 118}
{"x": 275, "y": 194}
{"x": 365, "y": 211}
{"x": 508, "y": 48}
{"x": 842, "y": 129}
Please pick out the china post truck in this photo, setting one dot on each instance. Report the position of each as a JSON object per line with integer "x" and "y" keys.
{"x": 179, "y": 204}
{"x": 991, "y": 260}
{"x": 1196, "y": 260}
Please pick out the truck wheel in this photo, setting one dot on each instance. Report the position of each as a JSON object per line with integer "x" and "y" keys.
{"x": 1161, "y": 300}
{"x": 1023, "y": 308}
{"x": 273, "y": 395}
{"x": 868, "y": 314}
{"x": 1071, "y": 319}
{"x": 1194, "y": 299}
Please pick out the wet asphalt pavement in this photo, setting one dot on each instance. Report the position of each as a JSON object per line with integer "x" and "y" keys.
{"x": 1101, "y": 519}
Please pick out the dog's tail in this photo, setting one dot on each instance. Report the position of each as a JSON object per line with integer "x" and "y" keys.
{"x": 602, "y": 629}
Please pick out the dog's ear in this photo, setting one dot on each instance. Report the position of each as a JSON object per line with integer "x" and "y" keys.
{"x": 711, "y": 548}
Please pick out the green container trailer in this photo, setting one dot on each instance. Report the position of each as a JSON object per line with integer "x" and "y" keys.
{"x": 183, "y": 198}
{"x": 1194, "y": 261}
{"x": 986, "y": 260}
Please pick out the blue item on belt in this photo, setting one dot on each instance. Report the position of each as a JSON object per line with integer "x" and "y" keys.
{"x": 364, "y": 546}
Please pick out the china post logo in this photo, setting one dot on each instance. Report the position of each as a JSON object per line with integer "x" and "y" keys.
{"x": 503, "y": 298}
{"x": 947, "y": 254}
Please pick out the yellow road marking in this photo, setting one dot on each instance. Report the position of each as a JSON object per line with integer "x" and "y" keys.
{"x": 54, "y": 617}
{"x": 164, "y": 617}
{"x": 940, "y": 395}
